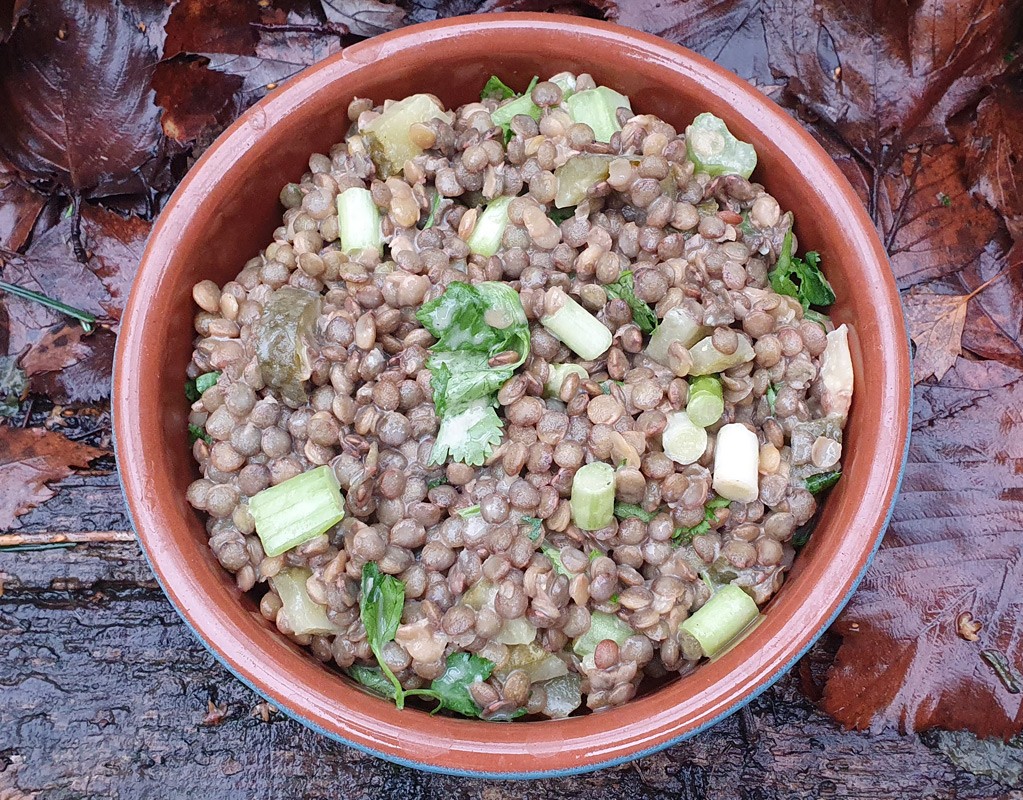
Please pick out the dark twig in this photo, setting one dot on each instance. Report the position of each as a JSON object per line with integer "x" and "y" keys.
{"x": 334, "y": 28}
{"x": 76, "y": 229}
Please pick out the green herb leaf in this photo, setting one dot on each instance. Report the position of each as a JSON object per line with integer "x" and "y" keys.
{"x": 772, "y": 396}
{"x": 535, "y": 528}
{"x": 813, "y": 288}
{"x": 434, "y": 208}
{"x": 559, "y": 215}
{"x": 194, "y": 388}
{"x": 686, "y": 535}
{"x": 195, "y": 432}
{"x": 629, "y": 511}
{"x": 815, "y": 484}
{"x": 470, "y": 511}
{"x": 380, "y": 605}
{"x": 613, "y": 598}
{"x": 496, "y": 89}
{"x": 472, "y": 325}
{"x": 85, "y": 319}
{"x": 13, "y": 386}
{"x": 642, "y": 314}
{"x": 816, "y": 316}
{"x": 554, "y": 556}
{"x": 373, "y": 679}
{"x": 452, "y": 688}
{"x": 436, "y": 482}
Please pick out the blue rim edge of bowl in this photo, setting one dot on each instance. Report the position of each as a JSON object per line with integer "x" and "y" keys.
{"x": 557, "y": 773}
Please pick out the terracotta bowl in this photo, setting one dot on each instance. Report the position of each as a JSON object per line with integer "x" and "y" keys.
{"x": 225, "y": 211}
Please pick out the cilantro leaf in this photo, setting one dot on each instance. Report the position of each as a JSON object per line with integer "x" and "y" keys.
{"x": 452, "y": 688}
{"x": 772, "y": 395}
{"x": 813, "y": 288}
{"x": 380, "y": 605}
{"x": 373, "y": 679}
{"x": 194, "y": 388}
{"x": 642, "y": 314}
{"x": 686, "y": 535}
{"x": 535, "y": 528}
{"x": 195, "y": 432}
{"x": 469, "y": 436}
{"x": 628, "y": 511}
{"x": 472, "y": 325}
{"x": 496, "y": 89}
{"x": 554, "y": 556}
{"x": 559, "y": 215}
{"x": 469, "y": 511}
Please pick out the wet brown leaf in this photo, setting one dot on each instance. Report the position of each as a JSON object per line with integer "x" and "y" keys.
{"x": 365, "y": 17}
{"x": 953, "y": 548}
{"x": 78, "y": 107}
{"x": 19, "y": 209}
{"x": 936, "y": 325}
{"x": 219, "y": 60}
{"x": 11, "y": 12}
{"x": 31, "y": 459}
{"x": 69, "y": 366}
{"x": 99, "y": 287}
{"x": 995, "y": 155}
{"x": 888, "y": 75}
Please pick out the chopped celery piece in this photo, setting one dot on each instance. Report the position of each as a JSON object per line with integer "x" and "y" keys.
{"x": 564, "y": 81}
{"x": 836, "y": 374}
{"x": 602, "y": 626}
{"x": 537, "y": 663}
{"x": 303, "y": 614}
{"x": 708, "y": 360}
{"x": 358, "y": 221}
{"x": 598, "y": 108}
{"x": 714, "y": 150}
{"x": 516, "y": 631}
{"x": 556, "y": 377}
{"x": 390, "y": 145}
{"x": 682, "y": 441}
{"x": 572, "y": 324}
{"x": 706, "y": 403}
{"x": 722, "y": 618}
{"x": 593, "y": 496}
{"x": 286, "y": 328}
{"x": 485, "y": 239}
{"x": 297, "y": 510}
{"x": 564, "y": 696}
{"x": 677, "y": 326}
{"x": 577, "y": 176}
{"x": 737, "y": 463}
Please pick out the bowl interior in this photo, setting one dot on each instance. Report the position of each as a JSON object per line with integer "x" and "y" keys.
{"x": 224, "y": 213}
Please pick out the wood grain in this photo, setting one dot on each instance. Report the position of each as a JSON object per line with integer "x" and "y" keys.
{"x": 105, "y": 693}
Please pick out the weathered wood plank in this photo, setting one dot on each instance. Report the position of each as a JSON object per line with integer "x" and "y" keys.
{"x": 105, "y": 692}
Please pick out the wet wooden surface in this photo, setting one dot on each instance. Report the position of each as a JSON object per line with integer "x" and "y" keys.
{"x": 105, "y": 694}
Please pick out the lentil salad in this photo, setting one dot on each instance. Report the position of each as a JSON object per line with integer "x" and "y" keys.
{"x": 523, "y": 406}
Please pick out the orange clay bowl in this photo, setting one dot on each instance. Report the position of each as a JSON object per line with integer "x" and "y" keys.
{"x": 225, "y": 211}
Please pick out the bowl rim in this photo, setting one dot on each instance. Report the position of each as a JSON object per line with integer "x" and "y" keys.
{"x": 147, "y": 521}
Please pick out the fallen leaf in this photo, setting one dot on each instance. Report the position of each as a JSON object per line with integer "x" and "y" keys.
{"x": 215, "y": 714}
{"x": 729, "y": 32}
{"x": 11, "y": 13}
{"x": 99, "y": 287}
{"x": 991, "y": 758}
{"x": 888, "y": 76}
{"x": 936, "y": 326}
{"x": 19, "y": 209}
{"x": 219, "y": 61}
{"x": 365, "y": 17}
{"x": 78, "y": 107}
{"x": 68, "y": 366}
{"x": 31, "y": 459}
{"x": 995, "y": 154}
{"x": 953, "y": 547}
